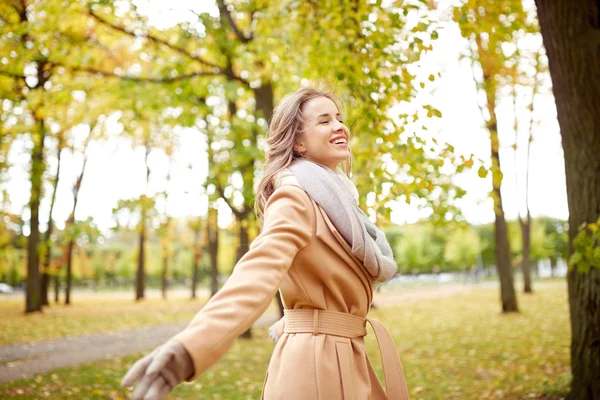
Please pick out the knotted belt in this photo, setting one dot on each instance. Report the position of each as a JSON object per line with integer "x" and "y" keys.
{"x": 352, "y": 327}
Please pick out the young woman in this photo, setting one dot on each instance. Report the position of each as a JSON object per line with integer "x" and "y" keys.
{"x": 323, "y": 254}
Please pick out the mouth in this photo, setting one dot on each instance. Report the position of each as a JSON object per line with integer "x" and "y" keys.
{"x": 339, "y": 142}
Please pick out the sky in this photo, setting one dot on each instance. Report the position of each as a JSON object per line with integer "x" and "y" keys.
{"x": 115, "y": 171}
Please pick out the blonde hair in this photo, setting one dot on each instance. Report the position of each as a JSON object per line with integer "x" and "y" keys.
{"x": 285, "y": 130}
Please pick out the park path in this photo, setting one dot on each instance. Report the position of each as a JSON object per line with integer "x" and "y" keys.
{"x": 29, "y": 359}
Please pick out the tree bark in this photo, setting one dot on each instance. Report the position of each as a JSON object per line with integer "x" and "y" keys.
{"x": 48, "y": 239}
{"x": 33, "y": 299}
{"x": 140, "y": 273}
{"x": 240, "y": 251}
{"x": 165, "y": 267}
{"x": 56, "y": 288}
{"x": 571, "y": 35}
{"x": 197, "y": 255}
{"x": 70, "y": 223}
{"x": 508, "y": 296}
{"x": 212, "y": 231}
{"x": 526, "y": 262}
{"x": 140, "y": 276}
{"x": 69, "y": 271}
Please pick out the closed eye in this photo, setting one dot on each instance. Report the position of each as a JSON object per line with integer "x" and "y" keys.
{"x": 327, "y": 121}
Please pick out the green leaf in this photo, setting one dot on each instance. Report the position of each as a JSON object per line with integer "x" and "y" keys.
{"x": 482, "y": 172}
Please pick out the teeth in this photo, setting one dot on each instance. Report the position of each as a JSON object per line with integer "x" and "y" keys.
{"x": 338, "y": 141}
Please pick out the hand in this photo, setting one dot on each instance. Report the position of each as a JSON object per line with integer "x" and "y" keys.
{"x": 276, "y": 330}
{"x": 159, "y": 372}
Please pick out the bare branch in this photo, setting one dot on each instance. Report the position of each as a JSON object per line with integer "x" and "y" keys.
{"x": 224, "y": 12}
{"x": 12, "y": 74}
{"x": 140, "y": 78}
{"x": 215, "y": 69}
{"x": 228, "y": 201}
{"x": 152, "y": 38}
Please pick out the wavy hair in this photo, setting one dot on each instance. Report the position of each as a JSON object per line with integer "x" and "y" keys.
{"x": 285, "y": 130}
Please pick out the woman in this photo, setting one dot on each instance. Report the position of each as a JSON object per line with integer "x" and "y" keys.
{"x": 324, "y": 255}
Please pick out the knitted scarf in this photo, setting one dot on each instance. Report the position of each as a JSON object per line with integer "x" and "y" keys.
{"x": 336, "y": 194}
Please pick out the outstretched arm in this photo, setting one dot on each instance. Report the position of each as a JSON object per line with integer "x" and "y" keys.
{"x": 288, "y": 227}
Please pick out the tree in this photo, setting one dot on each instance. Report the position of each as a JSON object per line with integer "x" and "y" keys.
{"x": 164, "y": 231}
{"x": 197, "y": 249}
{"x": 418, "y": 251}
{"x": 71, "y": 228}
{"x": 489, "y": 26}
{"x": 556, "y": 245}
{"x": 527, "y": 74}
{"x": 48, "y": 236}
{"x": 462, "y": 249}
{"x": 212, "y": 237}
{"x": 39, "y": 92}
{"x": 571, "y": 34}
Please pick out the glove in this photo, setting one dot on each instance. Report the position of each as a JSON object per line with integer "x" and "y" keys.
{"x": 159, "y": 372}
{"x": 276, "y": 330}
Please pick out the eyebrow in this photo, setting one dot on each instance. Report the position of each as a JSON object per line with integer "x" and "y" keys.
{"x": 327, "y": 115}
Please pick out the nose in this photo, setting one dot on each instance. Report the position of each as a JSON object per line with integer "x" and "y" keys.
{"x": 338, "y": 126}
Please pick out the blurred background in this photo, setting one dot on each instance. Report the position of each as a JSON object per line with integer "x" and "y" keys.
{"x": 132, "y": 134}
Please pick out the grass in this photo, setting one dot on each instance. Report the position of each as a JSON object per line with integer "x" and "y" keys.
{"x": 457, "y": 347}
{"x": 89, "y": 314}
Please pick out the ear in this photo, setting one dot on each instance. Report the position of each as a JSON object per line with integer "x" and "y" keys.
{"x": 300, "y": 147}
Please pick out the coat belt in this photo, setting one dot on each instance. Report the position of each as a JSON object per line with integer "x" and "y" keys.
{"x": 352, "y": 326}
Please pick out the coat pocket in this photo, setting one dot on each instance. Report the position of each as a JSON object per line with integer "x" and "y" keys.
{"x": 345, "y": 364}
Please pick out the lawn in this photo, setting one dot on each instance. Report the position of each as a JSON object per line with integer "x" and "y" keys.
{"x": 456, "y": 347}
{"x": 89, "y": 314}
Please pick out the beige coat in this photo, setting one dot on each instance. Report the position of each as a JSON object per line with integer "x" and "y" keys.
{"x": 299, "y": 251}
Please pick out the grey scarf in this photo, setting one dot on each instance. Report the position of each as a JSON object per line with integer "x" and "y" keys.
{"x": 336, "y": 194}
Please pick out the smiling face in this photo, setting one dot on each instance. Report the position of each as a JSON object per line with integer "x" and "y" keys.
{"x": 325, "y": 137}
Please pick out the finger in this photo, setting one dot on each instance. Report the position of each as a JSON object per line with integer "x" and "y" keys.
{"x": 170, "y": 377}
{"x": 164, "y": 391}
{"x": 156, "y": 388}
{"x": 159, "y": 362}
{"x": 137, "y": 370}
{"x": 141, "y": 389}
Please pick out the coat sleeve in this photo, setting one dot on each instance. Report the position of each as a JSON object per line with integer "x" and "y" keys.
{"x": 288, "y": 227}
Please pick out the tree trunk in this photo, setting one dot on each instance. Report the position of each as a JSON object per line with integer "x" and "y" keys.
{"x": 48, "y": 239}
{"x": 264, "y": 100}
{"x": 45, "y": 283}
{"x": 196, "y": 258}
{"x": 571, "y": 35}
{"x": 553, "y": 263}
{"x": 69, "y": 224}
{"x": 508, "y": 296}
{"x": 140, "y": 274}
{"x": 212, "y": 230}
{"x": 69, "y": 272}
{"x": 165, "y": 269}
{"x": 526, "y": 263}
{"x": 503, "y": 263}
{"x": 241, "y": 250}
{"x": 56, "y": 287}
{"x": 33, "y": 300}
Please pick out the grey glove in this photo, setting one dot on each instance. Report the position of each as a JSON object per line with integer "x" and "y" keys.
{"x": 160, "y": 371}
{"x": 276, "y": 330}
